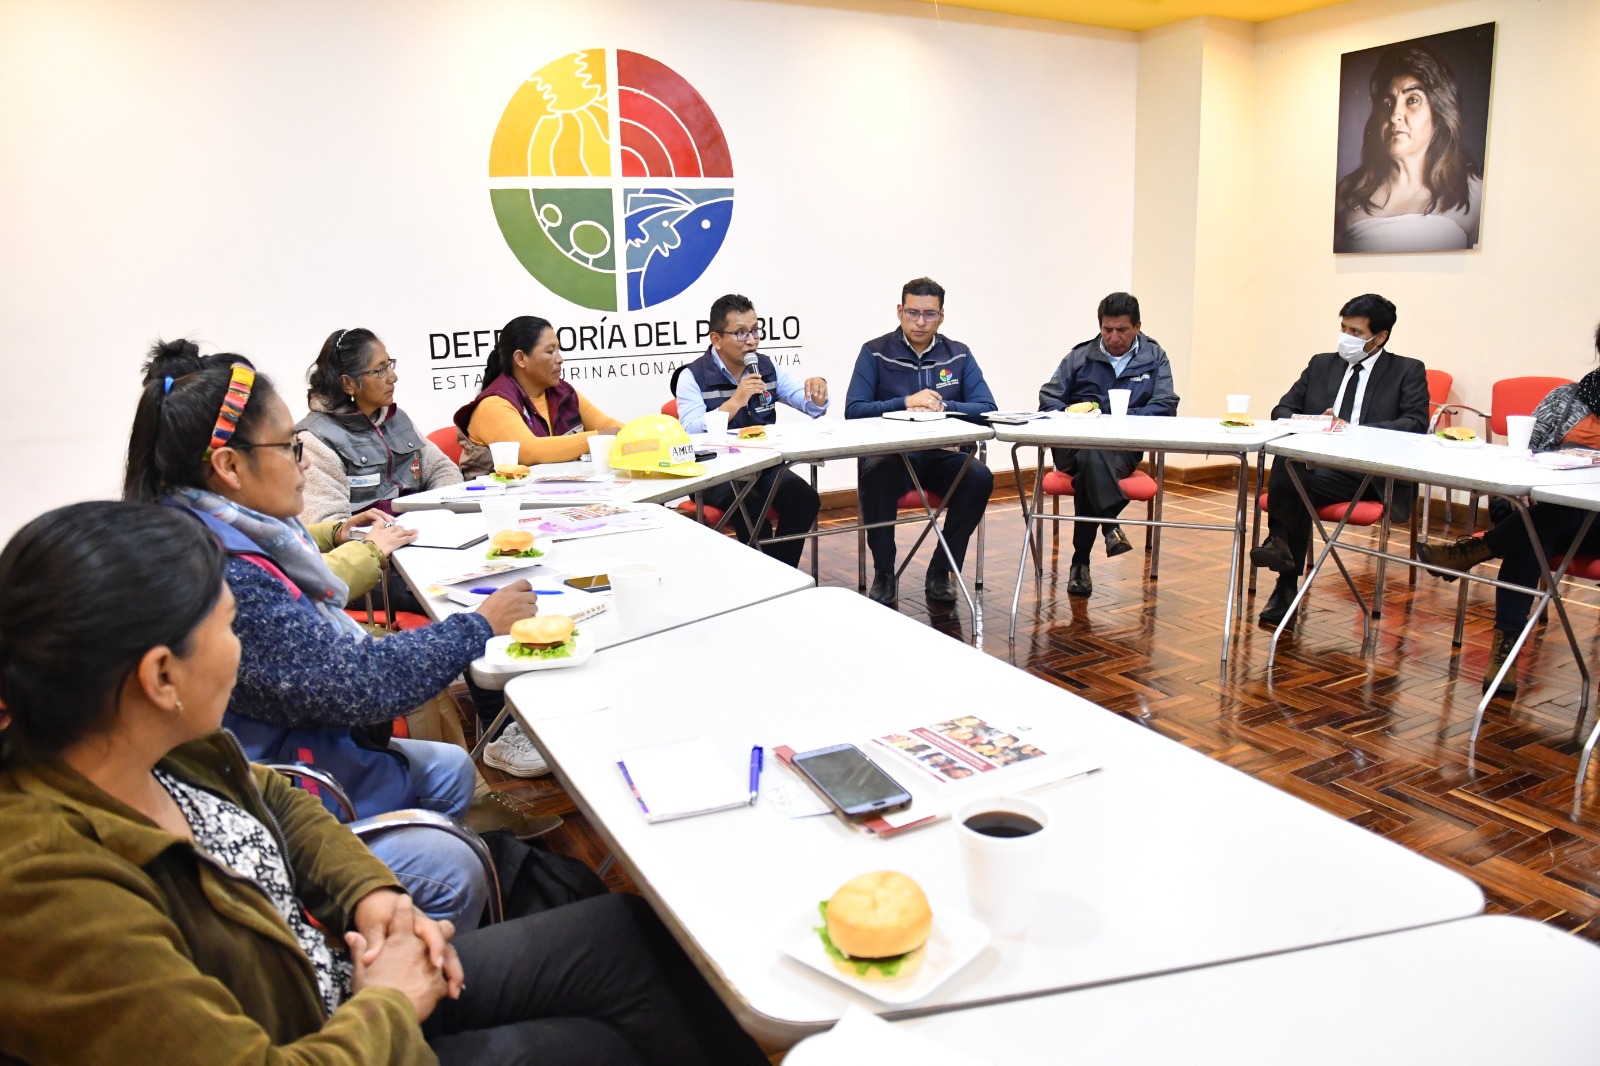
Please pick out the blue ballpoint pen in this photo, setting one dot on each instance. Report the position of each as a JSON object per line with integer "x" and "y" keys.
{"x": 757, "y": 758}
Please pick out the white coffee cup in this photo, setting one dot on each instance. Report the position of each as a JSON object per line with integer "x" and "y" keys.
{"x": 1119, "y": 401}
{"x": 716, "y": 424}
{"x": 1003, "y": 871}
{"x": 636, "y": 595}
{"x": 1519, "y": 431}
{"x": 505, "y": 452}
{"x": 600, "y": 452}
{"x": 499, "y": 512}
{"x": 1238, "y": 403}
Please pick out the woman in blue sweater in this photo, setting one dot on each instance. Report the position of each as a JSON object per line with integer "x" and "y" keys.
{"x": 313, "y": 686}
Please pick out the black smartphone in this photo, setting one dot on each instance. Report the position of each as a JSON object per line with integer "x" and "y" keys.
{"x": 704, "y": 457}
{"x": 851, "y": 782}
{"x": 590, "y": 582}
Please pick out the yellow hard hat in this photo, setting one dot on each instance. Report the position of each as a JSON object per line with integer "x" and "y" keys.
{"x": 655, "y": 444}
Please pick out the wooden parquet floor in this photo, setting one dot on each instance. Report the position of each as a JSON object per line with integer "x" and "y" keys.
{"x": 1379, "y": 740}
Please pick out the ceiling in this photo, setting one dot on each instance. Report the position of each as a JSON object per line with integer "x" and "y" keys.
{"x": 1140, "y": 14}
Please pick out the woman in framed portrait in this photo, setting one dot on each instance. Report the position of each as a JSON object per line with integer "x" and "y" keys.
{"x": 1416, "y": 189}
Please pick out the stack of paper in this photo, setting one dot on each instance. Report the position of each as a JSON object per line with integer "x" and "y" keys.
{"x": 681, "y": 780}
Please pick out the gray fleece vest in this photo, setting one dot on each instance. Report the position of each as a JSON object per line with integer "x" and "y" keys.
{"x": 381, "y": 462}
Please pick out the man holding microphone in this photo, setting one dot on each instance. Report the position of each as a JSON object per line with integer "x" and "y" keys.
{"x": 734, "y": 377}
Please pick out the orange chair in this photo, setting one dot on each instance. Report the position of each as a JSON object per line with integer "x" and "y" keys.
{"x": 446, "y": 441}
{"x": 1363, "y": 514}
{"x": 1439, "y": 383}
{"x": 1136, "y": 486}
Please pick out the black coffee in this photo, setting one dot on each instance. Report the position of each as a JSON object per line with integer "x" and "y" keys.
{"x": 1003, "y": 824}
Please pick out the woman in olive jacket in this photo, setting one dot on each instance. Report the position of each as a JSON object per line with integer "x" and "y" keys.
{"x": 162, "y": 900}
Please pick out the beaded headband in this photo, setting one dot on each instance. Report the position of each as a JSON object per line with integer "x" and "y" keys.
{"x": 233, "y": 405}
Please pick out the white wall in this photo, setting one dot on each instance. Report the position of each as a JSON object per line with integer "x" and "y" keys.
{"x": 259, "y": 175}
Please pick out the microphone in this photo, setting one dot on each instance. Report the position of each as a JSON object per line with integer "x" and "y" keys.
{"x": 752, "y": 365}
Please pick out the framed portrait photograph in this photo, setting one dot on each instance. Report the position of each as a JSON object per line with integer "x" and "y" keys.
{"x": 1413, "y": 129}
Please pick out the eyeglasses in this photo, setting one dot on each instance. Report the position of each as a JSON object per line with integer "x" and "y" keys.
{"x": 922, "y": 316}
{"x": 389, "y": 367}
{"x": 744, "y": 336}
{"x": 297, "y": 447}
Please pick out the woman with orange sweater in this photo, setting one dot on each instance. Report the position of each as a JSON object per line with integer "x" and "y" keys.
{"x": 524, "y": 399}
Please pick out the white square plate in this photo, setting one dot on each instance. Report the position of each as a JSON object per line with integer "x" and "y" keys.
{"x": 494, "y": 653}
{"x": 955, "y": 940}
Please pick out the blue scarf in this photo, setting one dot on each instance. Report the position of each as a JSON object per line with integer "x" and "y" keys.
{"x": 289, "y": 546}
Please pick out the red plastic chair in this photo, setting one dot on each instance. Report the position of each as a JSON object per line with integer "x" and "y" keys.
{"x": 1363, "y": 513}
{"x": 446, "y": 441}
{"x": 1136, "y": 486}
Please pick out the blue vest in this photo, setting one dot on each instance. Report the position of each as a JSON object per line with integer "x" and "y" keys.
{"x": 710, "y": 373}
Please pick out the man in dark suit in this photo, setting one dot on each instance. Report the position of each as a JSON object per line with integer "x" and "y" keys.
{"x": 1361, "y": 384}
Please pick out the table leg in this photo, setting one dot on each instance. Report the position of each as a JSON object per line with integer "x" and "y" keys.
{"x": 816, "y": 542}
{"x": 1327, "y": 549}
{"x": 1235, "y": 558}
{"x": 1255, "y": 522}
{"x": 933, "y": 524}
{"x": 1028, "y": 522}
{"x": 1385, "y": 526}
{"x": 1161, "y": 491}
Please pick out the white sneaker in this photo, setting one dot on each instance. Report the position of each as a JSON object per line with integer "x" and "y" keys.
{"x": 515, "y": 754}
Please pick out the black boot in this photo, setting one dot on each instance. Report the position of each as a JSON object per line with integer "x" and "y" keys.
{"x": 1499, "y": 648}
{"x": 1277, "y": 604}
{"x": 885, "y": 589}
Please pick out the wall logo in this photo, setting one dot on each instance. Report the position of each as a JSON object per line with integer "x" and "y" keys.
{"x": 562, "y": 143}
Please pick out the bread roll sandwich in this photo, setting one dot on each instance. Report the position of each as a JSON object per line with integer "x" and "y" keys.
{"x": 1457, "y": 433}
{"x": 1238, "y": 422}
{"x": 1087, "y": 407}
{"x": 877, "y": 926}
{"x": 753, "y": 433}
{"x": 513, "y": 544}
{"x": 545, "y": 636}
{"x": 511, "y": 474}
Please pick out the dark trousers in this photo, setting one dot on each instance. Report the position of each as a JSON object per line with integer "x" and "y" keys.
{"x": 1287, "y": 516}
{"x": 796, "y": 503}
{"x": 882, "y": 479}
{"x": 600, "y": 981}
{"x": 1095, "y": 490}
{"x": 1508, "y": 539}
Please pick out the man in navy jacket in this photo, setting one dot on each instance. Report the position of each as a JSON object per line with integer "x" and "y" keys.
{"x": 914, "y": 368}
{"x": 1120, "y": 358}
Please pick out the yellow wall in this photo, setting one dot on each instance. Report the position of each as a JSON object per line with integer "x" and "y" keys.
{"x": 1264, "y": 288}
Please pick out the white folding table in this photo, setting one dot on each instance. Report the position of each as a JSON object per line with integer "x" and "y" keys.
{"x": 734, "y": 464}
{"x": 1480, "y": 992}
{"x": 1143, "y": 433}
{"x": 1585, "y": 497}
{"x": 1489, "y": 470}
{"x": 703, "y": 574}
{"x": 814, "y": 443}
{"x": 1163, "y": 859}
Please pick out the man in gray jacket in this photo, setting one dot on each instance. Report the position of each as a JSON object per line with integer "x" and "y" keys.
{"x": 1121, "y": 357}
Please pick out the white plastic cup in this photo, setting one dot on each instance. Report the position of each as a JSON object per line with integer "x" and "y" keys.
{"x": 1003, "y": 872}
{"x": 600, "y": 452}
{"x": 504, "y": 453}
{"x": 716, "y": 424}
{"x": 1119, "y": 401}
{"x": 499, "y": 513}
{"x": 1519, "y": 431}
{"x": 636, "y": 595}
{"x": 1238, "y": 403}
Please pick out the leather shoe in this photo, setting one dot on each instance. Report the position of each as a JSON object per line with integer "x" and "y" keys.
{"x": 1276, "y": 556}
{"x": 492, "y": 811}
{"x": 1277, "y": 604}
{"x": 1500, "y": 650}
{"x": 941, "y": 588}
{"x": 1116, "y": 542}
{"x": 1078, "y": 581}
{"x": 885, "y": 589}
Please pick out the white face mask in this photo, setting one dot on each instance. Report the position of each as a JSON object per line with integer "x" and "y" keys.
{"x": 1352, "y": 349}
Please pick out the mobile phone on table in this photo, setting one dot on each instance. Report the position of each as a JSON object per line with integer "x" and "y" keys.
{"x": 704, "y": 457}
{"x": 590, "y": 582}
{"x": 851, "y": 782}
